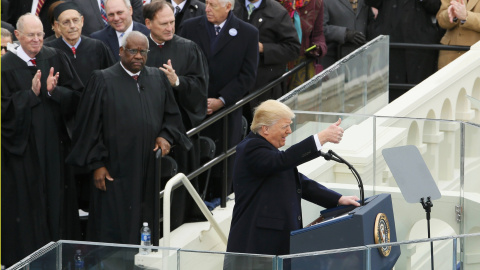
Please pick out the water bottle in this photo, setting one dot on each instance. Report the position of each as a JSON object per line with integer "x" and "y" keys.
{"x": 145, "y": 239}
{"x": 78, "y": 259}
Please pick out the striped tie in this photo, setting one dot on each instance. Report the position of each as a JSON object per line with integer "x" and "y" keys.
{"x": 217, "y": 29}
{"x": 39, "y": 7}
{"x": 177, "y": 10}
{"x": 103, "y": 12}
{"x": 251, "y": 7}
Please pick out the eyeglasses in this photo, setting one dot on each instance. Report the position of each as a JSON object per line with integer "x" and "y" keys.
{"x": 4, "y": 48}
{"x": 33, "y": 35}
{"x": 135, "y": 51}
{"x": 67, "y": 23}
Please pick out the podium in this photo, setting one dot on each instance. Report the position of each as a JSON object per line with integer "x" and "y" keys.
{"x": 343, "y": 227}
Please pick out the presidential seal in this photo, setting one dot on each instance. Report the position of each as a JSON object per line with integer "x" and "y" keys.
{"x": 382, "y": 234}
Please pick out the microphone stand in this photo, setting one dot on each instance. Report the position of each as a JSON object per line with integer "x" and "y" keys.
{"x": 427, "y": 205}
{"x": 330, "y": 155}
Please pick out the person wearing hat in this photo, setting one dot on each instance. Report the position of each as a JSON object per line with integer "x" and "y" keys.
{"x": 85, "y": 53}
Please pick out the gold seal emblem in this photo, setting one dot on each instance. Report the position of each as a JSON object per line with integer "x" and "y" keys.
{"x": 382, "y": 234}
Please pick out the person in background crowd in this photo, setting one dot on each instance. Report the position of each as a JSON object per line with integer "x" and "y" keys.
{"x": 307, "y": 16}
{"x": 6, "y": 39}
{"x": 231, "y": 48}
{"x": 17, "y": 8}
{"x": 345, "y": 28}
{"x": 461, "y": 19}
{"x": 186, "y": 68}
{"x": 127, "y": 112}
{"x": 278, "y": 44}
{"x": 268, "y": 187}
{"x": 51, "y": 19}
{"x": 409, "y": 21}
{"x": 119, "y": 15}
{"x": 96, "y": 17}
{"x": 40, "y": 93}
{"x": 186, "y": 9}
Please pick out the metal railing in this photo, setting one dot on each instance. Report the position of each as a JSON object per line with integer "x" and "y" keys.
{"x": 436, "y": 47}
{"x": 222, "y": 157}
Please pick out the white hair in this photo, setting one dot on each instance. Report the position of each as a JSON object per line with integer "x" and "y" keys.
{"x": 127, "y": 3}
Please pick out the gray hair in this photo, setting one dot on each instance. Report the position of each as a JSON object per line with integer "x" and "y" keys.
{"x": 6, "y": 34}
{"x": 133, "y": 34}
{"x": 268, "y": 113}
{"x": 127, "y": 3}
{"x": 224, "y": 2}
{"x": 21, "y": 20}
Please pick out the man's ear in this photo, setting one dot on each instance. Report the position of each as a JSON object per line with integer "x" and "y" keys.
{"x": 265, "y": 130}
{"x": 148, "y": 24}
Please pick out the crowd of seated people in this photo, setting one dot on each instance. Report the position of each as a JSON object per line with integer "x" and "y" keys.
{"x": 91, "y": 88}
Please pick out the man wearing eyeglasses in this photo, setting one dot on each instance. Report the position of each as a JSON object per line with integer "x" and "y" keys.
{"x": 86, "y": 54}
{"x": 40, "y": 92}
{"x": 127, "y": 112}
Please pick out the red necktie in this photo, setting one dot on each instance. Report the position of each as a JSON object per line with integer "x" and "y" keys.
{"x": 160, "y": 46}
{"x": 34, "y": 62}
{"x": 39, "y": 7}
{"x": 135, "y": 77}
{"x": 74, "y": 52}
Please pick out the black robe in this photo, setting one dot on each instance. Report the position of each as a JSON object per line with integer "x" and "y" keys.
{"x": 91, "y": 54}
{"x": 37, "y": 186}
{"x": 117, "y": 124}
{"x": 191, "y": 67}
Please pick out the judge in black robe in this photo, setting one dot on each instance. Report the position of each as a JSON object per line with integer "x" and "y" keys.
{"x": 91, "y": 54}
{"x": 37, "y": 186}
{"x": 191, "y": 69}
{"x": 191, "y": 95}
{"x": 118, "y": 122}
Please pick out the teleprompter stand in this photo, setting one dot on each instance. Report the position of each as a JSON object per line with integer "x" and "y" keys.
{"x": 414, "y": 180}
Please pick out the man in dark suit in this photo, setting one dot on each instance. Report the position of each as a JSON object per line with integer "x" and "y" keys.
{"x": 268, "y": 187}
{"x": 93, "y": 17}
{"x": 119, "y": 14}
{"x": 231, "y": 48}
{"x": 408, "y": 21}
{"x": 186, "y": 9}
{"x": 18, "y": 8}
{"x": 278, "y": 44}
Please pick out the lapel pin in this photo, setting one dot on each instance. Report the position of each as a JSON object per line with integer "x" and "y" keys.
{"x": 260, "y": 20}
{"x": 233, "y": 32}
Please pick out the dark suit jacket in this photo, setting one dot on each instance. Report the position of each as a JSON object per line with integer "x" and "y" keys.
{"x": 338, "y": 16}
{"x": 268, "y": 190}
{"x": 109, "y": 37}
{"x": 232, "y": 62}
{"x": 17, "y": 8}
{"x": 279, "y": 39}
{"x": 192, "y": 9}
{"x": 93, "y": 20}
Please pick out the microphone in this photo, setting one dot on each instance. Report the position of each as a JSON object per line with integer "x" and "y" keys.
{"x": 330, "y": 155}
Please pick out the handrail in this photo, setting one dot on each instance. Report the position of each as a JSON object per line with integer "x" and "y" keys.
{"x": 401, "y": 45}
{"x": 181, "y": 178}
{"x": 224, "y": 111}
